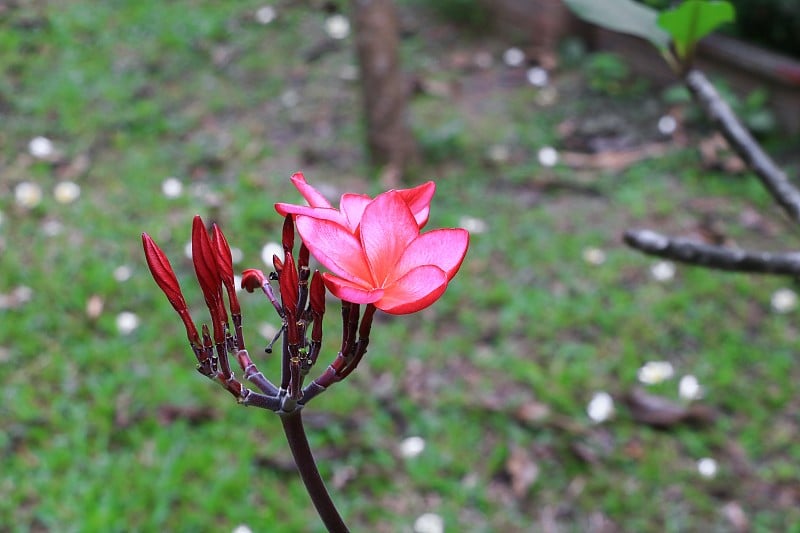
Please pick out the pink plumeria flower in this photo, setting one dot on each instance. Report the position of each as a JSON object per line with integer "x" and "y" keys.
{"x": 387, "y": 262}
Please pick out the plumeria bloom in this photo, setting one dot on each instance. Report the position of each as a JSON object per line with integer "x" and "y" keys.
{"x": 383, "y": 259}
{"x": 351, "y": 206}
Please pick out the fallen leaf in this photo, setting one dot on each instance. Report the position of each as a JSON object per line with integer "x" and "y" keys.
{"x": 194, "y": 414}
{"x": 522, "y": 470}
{"x": 661, "y": 412}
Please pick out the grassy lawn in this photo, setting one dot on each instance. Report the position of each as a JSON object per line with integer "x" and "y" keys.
{"x": 104, "y": 428}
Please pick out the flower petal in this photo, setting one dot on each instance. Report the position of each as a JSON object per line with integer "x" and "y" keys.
{"x": 444, "y": 248}
{"x": 418, "y": 289}
{"x": 335, "y": 247}
{"x": 419, "y": 201}
{"x": 323, "y": 213}
{"x": 351, "y": 292}
{"x": 312, "y": 195}
{"x": 387, "y": 228}
{"x": 352, "y": 207}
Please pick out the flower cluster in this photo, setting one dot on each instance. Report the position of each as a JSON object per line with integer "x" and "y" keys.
{"x": 376, "y": 256}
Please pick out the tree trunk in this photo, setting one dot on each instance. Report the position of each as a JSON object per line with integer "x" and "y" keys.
{"x": 385, "y": 90}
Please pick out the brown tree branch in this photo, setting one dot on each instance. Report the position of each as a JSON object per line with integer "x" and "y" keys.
{"x": 743, "y": 143}
{"x": 716, "y": 257}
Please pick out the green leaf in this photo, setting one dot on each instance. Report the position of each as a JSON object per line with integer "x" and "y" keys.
{"x": 693, "y": 20}
{"x": 624, "y": 16}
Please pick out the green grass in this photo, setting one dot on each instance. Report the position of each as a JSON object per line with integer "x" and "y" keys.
{"x": 145, "y": 90}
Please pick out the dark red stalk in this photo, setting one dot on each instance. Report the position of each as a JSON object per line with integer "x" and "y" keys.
{"x": 307, "y": 467}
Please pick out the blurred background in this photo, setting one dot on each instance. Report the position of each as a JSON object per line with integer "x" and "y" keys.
{"x": 563, "y": 383}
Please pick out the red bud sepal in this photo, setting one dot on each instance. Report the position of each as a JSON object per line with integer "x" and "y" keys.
{"x": 165, "y": 278}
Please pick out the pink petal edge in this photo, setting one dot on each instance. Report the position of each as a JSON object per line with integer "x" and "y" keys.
{"x": 312, "y": 195}
{"x": 444, "y": 248}
{"x": 349, "y": 291}
{"x": 415, "y": 291}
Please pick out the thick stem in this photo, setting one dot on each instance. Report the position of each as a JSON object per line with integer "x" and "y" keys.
{"x": 304, "y": 459}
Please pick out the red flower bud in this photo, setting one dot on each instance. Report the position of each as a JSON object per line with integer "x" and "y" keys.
{"x": 288, "y": 234}
{"x": 288, "y": 282}
{"x": 225, "y": 266}
{"x": 317, "y": 293}
{"x": 253, "y": 279}
{"x": 303, "y": 256}
{"x": 165, "y": 278}
{"x": 162, "y": 272}
{"x": 205, "y": 266}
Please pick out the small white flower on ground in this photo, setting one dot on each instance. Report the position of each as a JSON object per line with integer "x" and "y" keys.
{"x": 41, "y": 147}
{"x": 498, "y": 153}
{"x": 689, "y": 388}
{"x": 270, "y": 249}
{"x": 127, "y": 322}
{"x": 237, "y": 282}
{"x": 187, "y": 250}
{"x": 667, "y": 125}
{"x": 548, "y": 156}
{"x": 265, "y": 15}
{"x": 654, "y": 372}
{"x": 663, "y": 271}
{"x": 27, "y": 194}
{"x": 472, "y": 224}
{"x": 172, "y": 187}
{"x": 66, "y": 192}
{"x": 784, "y": 300}
{"x": 594, "y": 256}
{"x": 412, "y": 447}
{"x": 337, "y": 26}
{"x": 236, "y": 255}
{"x": 429, "y": 523}
{"x": 513, "y": 57}
{"x": 123, "y": 273}
{"x": 601, "y": 407}
{"x": 707, "y": 467}
{"x": 242, "y": 528}
{"x": 537, "y": 76}
{"x": 290, "y": 98}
